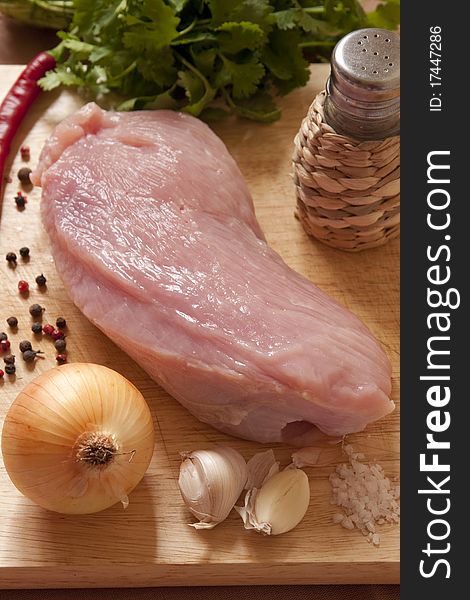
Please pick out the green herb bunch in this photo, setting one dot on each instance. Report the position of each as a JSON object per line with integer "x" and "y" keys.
{"x": 205, "y": 57}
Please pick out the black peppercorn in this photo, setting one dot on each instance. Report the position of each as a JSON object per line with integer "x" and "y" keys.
{"x": 60, "y": 322}
{"x": 36, "y": 328}
{"x": 3, "y": 336}
{"x": 24, "y": 251}
{"x": 9, "y": 359}
{"x": 36, "y": 310}
{"x": 30, "y": 355}
{"x": 23, "y": 175}
{"x": 20, "y": 200}
{"x": 12, "y": 322}
{"x": 25, "y": 345}
{"x": 60, "y": 345}
{"x": 10, "y": 369}
{"x": 41, "y": 280}
{"x": 11, "y": 258}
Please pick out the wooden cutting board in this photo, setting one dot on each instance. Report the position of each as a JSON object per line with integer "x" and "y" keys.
{"x": 150, "y": 543}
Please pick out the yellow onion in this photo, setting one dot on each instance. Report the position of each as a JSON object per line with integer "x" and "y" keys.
{"x": 78, "y": 439}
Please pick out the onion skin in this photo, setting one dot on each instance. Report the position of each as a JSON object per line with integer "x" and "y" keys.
{"x": 41, "y": 429}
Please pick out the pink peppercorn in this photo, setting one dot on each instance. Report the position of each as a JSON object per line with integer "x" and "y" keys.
{"x": 48, "y": 329}
{"x": 23, "y": 286}
{"x": 57, "y": 335}
{"x": 5, "y": 345}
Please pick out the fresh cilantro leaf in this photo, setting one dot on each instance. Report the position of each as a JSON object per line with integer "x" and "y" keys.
{"x": 293, "y": 18}
{"x": 197, "y": 90}
{"x": 312, "y": 25}
{"x": 286, "y": 19}
{"x": 386, "y": 15}
{"x": 156, "y": 32}
{"x": 221, "y": 9}
{"x": 234, "y": 37}
{"x": 193, "y": 85}
{"x": 256, "y": 11}
{"x": 159, "y": 101}
{"x": 178, "y": 5}
{"x": 234, "y": 51}
{"x": 60, "y": 76}
{"x": 260, "y": 107}
{"x": 285, "y": 60}
{"x": 213, "y": 113}
{"x": 78, "y": 47}
{"x": 204, "y": 60}
{"x": 99, "y": 52}
{"x": 164, "y": 100}
{"x": 244, "y": 77}
{"x": 159, "y": 67}
{"x": 94, "y": 18}
{"x": 345, "y": 15}
{"x": 193, "y": 37}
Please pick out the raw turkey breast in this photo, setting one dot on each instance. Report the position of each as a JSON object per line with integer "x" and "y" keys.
{"x": 154, "y": 234}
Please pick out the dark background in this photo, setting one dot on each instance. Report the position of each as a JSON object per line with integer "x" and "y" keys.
{"x": 421, "y": 132}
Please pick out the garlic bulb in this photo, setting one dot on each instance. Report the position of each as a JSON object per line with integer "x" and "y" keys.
{"x": 78, "y": 439}
{"x": 210, "y": 482}
{"x": 279, "y": 505}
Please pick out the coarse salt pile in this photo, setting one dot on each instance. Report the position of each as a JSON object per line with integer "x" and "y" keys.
{"x": 366, "y": 495}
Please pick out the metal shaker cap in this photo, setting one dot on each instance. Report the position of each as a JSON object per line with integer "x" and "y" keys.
{"x": 363, "y": 90}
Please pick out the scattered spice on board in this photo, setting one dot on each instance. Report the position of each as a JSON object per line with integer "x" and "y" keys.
{"x": 41, "y": 280}
{"x": 36, "y": 310}
{"x": 10, "y": 369}
{"x": 24, "y": 174}
{"x": 60, "y": 323}
{"x": 5, "y": 345}
{"x": 30, "y": 355}
{"x": 48, "y": 328}
{"x": 12, "y": 322}
{"x": 24, "y": 252}
{"x": 25, "y": 153}
{"x": 36, "y": 328}
{"x": 11, "y": 258}
{"x": 25, "y": 345}
{"x": 57, "y": 334}
{"x": 20, "y": 200}
{"x": 9, "y": 359}
{"x": 23, "y": 286}
{"x": 366, "y": 495}
{"x": 60, "y": 346}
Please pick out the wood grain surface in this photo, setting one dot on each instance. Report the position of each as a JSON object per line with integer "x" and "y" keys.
{"x": 150, "y": 543}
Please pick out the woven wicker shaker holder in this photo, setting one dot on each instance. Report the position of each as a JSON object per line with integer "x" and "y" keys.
{"x": 348, "y": 185}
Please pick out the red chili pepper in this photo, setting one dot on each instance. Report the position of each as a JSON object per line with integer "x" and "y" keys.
{"x": 18, "y": 100}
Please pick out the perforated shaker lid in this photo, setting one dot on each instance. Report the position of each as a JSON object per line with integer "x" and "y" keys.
{"x": 364, "y": 84}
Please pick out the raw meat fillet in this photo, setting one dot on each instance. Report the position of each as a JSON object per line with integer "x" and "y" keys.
{"x": 154, "y": 234}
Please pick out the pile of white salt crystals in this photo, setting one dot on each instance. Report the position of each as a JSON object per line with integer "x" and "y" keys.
{"x": 366, "y": 495}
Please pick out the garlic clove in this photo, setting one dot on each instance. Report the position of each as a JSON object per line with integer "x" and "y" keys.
{"x": 261, "y": 467}
{"x": 210, "y": 482}
{"x": 279, "y": 505}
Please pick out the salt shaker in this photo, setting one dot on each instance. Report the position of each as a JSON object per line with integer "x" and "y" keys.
{"x": 347, "y": 152}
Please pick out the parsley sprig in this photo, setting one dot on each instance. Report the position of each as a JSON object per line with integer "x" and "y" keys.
{"x": 206, "y": 57}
